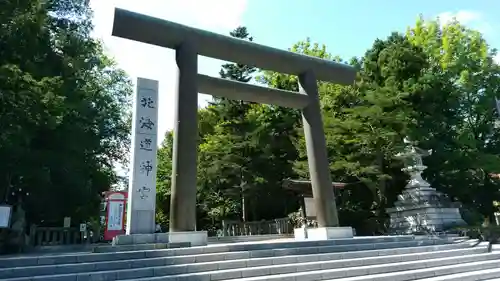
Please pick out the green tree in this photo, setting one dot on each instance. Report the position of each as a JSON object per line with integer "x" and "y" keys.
{"x": 164, "y": 179}
{"x": 207, "y": 120}
{"x": 240, "y": 140}
{"x": 235, "y": 71}
{"x": 369, "y": 131}
{"x": 436, "y": 85}
{"x": 458, "y": 122}
{"x": 65, "y": 106}
{"x": 364, "y": 125}
{"x": 233, "y": 133}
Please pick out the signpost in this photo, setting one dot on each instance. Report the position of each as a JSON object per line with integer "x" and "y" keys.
{"x": 310, "y": 207}
{"x": 67, "y": 222}
{"x": 115, "y": 214}
{"x": 5, "y": 215}
{"x": 83, "y": 227}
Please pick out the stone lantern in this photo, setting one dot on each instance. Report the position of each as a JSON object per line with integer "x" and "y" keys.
{"x": 421, "y": 208}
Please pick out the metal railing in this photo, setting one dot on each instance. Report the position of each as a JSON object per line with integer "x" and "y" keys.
{"x": 276, "y": 226}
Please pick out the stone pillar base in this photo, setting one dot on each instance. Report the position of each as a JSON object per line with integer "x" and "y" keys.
{"x": 134, "y": 239}
{"x": 300, "y": 234}
{"x": 324, "y": 233}
{"x": 195, "y": 238}
{"x": 140, "y": 221}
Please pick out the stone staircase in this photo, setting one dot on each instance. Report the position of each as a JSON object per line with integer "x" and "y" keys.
{"x": 391, "y": 258}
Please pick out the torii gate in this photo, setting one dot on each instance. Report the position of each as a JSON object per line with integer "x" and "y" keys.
{"x": 189, "y": 43}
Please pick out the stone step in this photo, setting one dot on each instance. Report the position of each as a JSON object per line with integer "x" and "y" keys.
{"x": 211, "y": 271}
{"x": 248, "y": 238}
{"x": 195, "y": 263}
{"x": 251, "y": 250}
{"x": 344, "y": 268}
{"x": 139, "y": 247}
{"x": 159, "y": 246}
{"x": 478, "y": 275}
{"x": 487, "y": 267}
{"x": 211, "y": 240}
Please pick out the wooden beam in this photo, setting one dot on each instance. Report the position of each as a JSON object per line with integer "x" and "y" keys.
{"x": 248, "y": 92}
{"x": 159, "y": 32}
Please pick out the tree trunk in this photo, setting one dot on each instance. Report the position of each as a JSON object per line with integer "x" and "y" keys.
{"x": 382, "y": 184}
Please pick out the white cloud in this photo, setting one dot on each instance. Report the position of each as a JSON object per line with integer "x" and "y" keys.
{"x": 471, "y": 19}
{"x": 464, "y": 17}
{"x": 143, "y": 60}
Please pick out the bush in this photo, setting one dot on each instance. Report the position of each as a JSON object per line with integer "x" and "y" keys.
{"x": 485, "y": 233}
{"x": 8, "y": 242}
{"x": 296, "y": 220}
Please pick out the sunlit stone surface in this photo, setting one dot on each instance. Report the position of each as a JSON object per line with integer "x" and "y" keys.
{"x": 420, "y": 208}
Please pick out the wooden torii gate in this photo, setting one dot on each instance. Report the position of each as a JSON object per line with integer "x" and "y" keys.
{"x": 303, "y": 188}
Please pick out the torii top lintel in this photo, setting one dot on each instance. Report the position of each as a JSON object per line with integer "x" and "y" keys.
{"x": 303, "y": 187}
{"x": 151, "y": 30}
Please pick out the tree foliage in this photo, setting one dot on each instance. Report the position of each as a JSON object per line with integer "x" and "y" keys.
{"x": 458, "y": 121}
{"x": 238, "y": 176}
{"x": 65, "y": 123}
{"x": 435, "y": 84}
{"x": 64, "y": 108}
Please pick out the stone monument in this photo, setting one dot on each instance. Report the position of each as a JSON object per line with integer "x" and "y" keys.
{"x": 420, "y": 208}
{"x": 142, "y": 184}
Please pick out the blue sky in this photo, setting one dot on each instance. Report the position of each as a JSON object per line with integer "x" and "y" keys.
{"x": 348, "y": 28}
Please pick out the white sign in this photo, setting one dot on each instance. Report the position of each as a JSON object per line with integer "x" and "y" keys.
{"x": 115, "y": 215}
{"x": 310, "y": 207}
{"x": 83, "y": 227}
{"x": 142, "y": 185}
{"x": 67, "y": 222}
{"x": 5, "y": 214}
